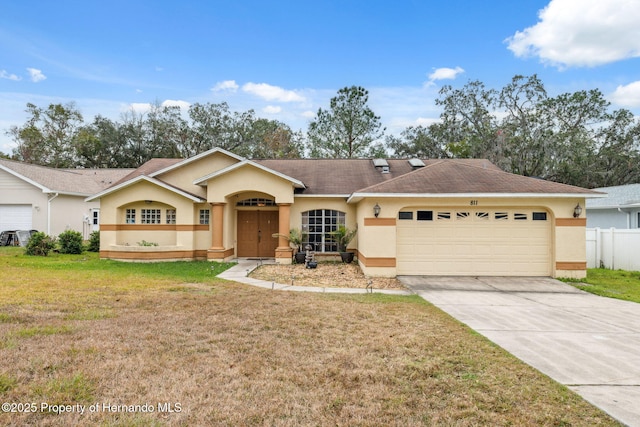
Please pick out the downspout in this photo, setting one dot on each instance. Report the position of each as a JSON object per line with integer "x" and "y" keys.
{"x": 49, "y": 212}
{"x": 628, "y": 217}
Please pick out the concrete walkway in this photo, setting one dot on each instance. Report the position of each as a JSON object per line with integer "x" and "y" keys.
{"x": 589, "y": 343}
{"x": 239, "y": 273}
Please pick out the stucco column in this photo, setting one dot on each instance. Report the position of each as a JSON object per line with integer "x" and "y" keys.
{"x": 284, "y": 252}
{"x": 218, "y": 226}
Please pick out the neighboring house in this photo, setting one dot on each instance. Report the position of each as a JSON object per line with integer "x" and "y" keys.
{"x": 51, "y": 200}
{"x": 414, "y": 217}
{"x": 620, "y": 209}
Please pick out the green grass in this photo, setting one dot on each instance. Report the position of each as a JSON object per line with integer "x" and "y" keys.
{"x": 6, "y": 383}
{"x": 30, "y": 332}
{"x": 619, "y": 284}
{"x": 46, "y": 280}
{"x": 189, "y": 271}
{"x": 63, "y": 391}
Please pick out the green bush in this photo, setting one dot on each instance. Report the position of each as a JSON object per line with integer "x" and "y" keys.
{"x": 40, "y": 244}
{"x": 94, "y": 242}
{"x": 70, "y": 242}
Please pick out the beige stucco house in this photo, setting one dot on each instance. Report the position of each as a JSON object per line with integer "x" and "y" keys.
{"x": 51, "y": 200}
{"x": 413, "y": 217}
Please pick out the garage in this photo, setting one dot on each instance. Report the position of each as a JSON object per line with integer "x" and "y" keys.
{"x": 465, "y": 241}
{"x": 15, "y": 217}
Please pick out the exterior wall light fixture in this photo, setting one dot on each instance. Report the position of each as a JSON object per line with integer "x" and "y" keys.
{"x": 376, "y": 210}
{"x": 577, "y": 211}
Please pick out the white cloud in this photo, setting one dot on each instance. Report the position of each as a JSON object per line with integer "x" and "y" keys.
{"x": 36, "y": 75}
{"x": 138, "y": 107}
{"x": 272, "y": 93}
{"x": 427, "y": 121}
{"x": 445, "y": 73}
{"x": 184, "y": 105}
{"x": 271, "y": 109}
{"x": 308, "y": 114}
{"x": 581, "y": 33}
{"x": 627, "y": 96}
{"x": 5, "y": 75}
{"x": 224, "y": 86}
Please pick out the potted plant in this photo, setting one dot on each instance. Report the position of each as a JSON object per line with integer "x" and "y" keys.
{"x": 295, "y": 239}
{"x": 343, "y": 236}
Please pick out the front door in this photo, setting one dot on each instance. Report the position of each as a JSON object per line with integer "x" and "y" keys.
{"x": 255, "y": 230}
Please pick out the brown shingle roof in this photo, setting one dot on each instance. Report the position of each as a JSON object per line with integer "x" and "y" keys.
{"x": 74, "y": 181}
{"x": 451, "y": 176}
{"x": 346, "y": 176}
{"x": 148, "y": 167}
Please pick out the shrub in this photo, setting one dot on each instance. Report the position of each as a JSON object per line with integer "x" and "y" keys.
{"x": 70, "y": 242}
{"x": 40, "y": 244}
{"x": 145, "y": 243}
{"x": 94, "y": 242}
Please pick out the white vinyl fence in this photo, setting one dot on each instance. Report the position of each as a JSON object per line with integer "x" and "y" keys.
{"x": 614, "y": 248}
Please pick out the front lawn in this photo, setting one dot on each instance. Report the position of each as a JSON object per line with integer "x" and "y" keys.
{"x": 169, "y": 344}
{"x": 618, "y": 284}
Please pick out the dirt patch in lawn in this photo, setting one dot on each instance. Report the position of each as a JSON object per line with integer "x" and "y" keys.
{"x": 327, "y": 275}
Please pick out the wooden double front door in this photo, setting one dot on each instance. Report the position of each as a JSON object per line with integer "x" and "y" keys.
{"x": 255, "y": 231}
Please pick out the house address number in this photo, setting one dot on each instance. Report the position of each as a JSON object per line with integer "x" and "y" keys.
{"x": 473, "y": 203}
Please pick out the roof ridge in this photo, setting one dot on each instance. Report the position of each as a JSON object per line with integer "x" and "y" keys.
{"x": 404, "y": 175}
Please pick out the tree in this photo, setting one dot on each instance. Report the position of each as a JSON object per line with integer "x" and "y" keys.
{"x": 272, "y": 139}
{"x": 100, "y": 145}
{"x": 468, "y": 125}
{"x": 348, "y": 129}
{"x": 418, "y": 142}
{"x": 47, "y": 137}
{"x": 571, "y": 138}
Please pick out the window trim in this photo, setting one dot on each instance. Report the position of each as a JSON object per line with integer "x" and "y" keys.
{"x": 204, "y": 217}
{"x": 322, "y": 241}
{"x": 130, "y": 216}
{"x": 150, "y": 216}
{"x": 170, "y": 216}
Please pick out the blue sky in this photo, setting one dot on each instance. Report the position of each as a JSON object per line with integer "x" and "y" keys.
{"x": 286, "y": 59}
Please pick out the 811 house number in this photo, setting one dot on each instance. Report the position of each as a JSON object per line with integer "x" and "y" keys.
{"x": 473, "y": 203}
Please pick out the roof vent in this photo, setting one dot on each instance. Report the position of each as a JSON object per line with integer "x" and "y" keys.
{"x": 416, "y": 163}
{"x": 382, "y": 165}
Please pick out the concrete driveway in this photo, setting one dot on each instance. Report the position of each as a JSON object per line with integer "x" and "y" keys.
{"x": 590, "y": 344}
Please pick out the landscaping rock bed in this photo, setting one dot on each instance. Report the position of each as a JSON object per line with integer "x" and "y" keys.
{"x": 327, "y": 274}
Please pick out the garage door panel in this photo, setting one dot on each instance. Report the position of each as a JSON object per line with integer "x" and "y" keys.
{"x": 475, "y": 243}
{"x": 16, "y": 217}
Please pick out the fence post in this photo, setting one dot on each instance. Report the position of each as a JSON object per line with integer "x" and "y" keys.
{"x": 613, "y": 248}
{"x": 598, "y": 260}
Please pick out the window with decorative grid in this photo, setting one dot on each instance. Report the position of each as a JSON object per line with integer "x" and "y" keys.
{"x": 317, "y": 226}
{"x": 171, "y": 216}
{"x": 150, "y": 216}
{"x": 130, "y": 216}
{"x": 204, "y": 216}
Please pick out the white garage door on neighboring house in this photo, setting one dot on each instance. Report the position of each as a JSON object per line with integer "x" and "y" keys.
{"x": 15, "y": 217}
{"x": 463, "y": 241}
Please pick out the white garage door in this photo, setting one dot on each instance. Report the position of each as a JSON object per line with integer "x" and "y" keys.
{"x": 15, "y": 217}
{"x": 486, "y": 242}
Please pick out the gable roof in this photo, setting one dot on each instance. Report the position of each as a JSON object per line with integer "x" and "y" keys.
{"x": 183, "y": 162}
{"x": 151, "y": 180}
{"x": 203, "y": 180}
{"x": 80, "y": 182}
{"x": 451, "y": 177}
{"x": 618, "y": 196}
